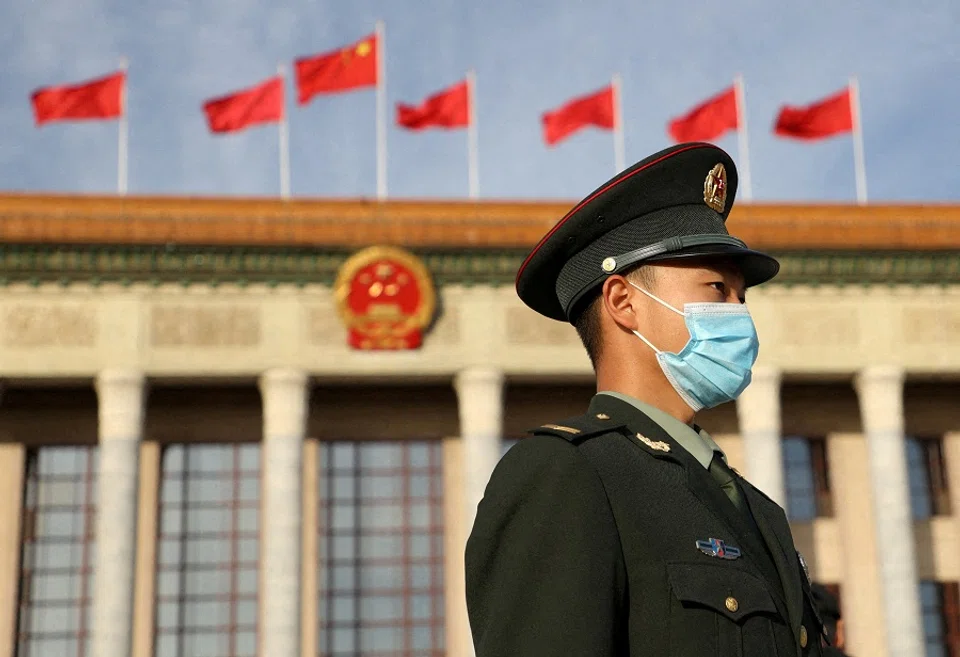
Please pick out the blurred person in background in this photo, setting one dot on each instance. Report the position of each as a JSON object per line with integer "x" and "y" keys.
{"x": 829, "y": 608}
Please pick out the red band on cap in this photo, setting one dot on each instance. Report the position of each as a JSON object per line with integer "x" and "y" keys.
{"x": 592, "y": 197}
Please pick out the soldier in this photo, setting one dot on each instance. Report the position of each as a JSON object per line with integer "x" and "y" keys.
{"x": 623, "y": 531}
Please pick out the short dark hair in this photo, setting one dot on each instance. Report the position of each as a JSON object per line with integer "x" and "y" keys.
{"x": 587, "y": 322}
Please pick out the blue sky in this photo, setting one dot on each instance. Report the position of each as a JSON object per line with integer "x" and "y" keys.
{"x": 529, "y": 56}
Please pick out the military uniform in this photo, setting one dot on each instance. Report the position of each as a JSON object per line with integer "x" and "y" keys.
{"x": 601, "y": 535}
{"x": 622, "y": 531}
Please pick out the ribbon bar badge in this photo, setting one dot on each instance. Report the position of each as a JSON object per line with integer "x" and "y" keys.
{"x": 714, "y": 547}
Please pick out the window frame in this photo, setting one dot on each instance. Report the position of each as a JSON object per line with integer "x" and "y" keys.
{"x": 821, "y": 491}
{"x": 330, "y": 526}
{"x": 235, "y": 475}
{"x": 31, "y": 509}
{"x": 936, "y": 480}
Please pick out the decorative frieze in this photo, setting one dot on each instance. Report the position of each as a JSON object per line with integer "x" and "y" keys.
{"x": 204, "y": 326}
{"x": 49, "y": 325}
{"x": 933, "y": 324}
{"x": 189, "y": 264}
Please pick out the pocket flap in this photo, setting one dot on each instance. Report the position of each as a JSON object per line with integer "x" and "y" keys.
{"x": 729, "y": 591}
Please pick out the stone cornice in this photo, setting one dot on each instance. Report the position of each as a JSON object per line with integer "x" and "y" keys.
{"x": 34, "y": 219}
{"x": 208, "y": 265}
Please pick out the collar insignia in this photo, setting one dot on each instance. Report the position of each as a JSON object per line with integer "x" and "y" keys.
{"x": 557, "y": 427}
{"x": 659, "y": 445}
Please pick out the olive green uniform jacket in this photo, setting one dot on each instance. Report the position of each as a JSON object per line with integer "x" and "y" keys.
{"x": 588, "y": 543}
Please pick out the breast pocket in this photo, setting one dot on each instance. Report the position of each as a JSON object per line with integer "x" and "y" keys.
{"x": 722, "y": 610}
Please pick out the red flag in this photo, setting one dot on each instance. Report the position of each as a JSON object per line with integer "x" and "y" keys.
{"x": 448, "y": 109}
{"x": 350, "y": 67}
{"x": 708, "y": 120}
{"x": 94, "y": 99}
{"x": 593, "y": 109}
{"x": 242, "y": 109}
{"x": 823, "y": 118}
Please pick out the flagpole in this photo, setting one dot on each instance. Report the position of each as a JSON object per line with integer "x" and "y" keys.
{"x": 284, "y": 136}
{"x": 472, "y": 141}
{"x": 123, "y": 135}
{"x": 858, "y": 157}
{"x": 746, "y": 186}
{"x": 381, "y": 111}
{"x": 619, "y": 151}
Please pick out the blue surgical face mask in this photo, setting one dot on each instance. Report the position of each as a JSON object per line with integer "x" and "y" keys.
{"x": 714, "y": 366}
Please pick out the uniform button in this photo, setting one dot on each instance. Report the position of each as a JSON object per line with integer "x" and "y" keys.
{"x": 732, "y": 604}
{"x": 603, "y": 416}
{"x": 803, "y": 636}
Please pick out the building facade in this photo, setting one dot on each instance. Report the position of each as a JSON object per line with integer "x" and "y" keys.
{"x": 195, "y": 462}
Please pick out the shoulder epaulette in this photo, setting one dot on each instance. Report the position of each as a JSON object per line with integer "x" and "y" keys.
{"x": 579, "y": 428}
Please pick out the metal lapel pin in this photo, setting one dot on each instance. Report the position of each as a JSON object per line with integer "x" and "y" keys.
{"x": 714, "y": 547}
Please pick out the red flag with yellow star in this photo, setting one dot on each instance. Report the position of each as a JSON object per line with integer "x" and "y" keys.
{"x": 344, "y": 69}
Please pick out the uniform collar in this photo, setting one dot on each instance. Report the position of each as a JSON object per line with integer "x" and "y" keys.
{"x": 696, "y": 441}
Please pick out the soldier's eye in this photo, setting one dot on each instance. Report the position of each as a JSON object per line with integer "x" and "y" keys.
{"x": 719, "y": 286}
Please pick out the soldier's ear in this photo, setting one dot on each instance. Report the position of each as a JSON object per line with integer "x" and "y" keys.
{"x": 617, "y": 296}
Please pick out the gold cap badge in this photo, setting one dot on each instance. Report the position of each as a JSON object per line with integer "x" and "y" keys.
{"x": 715, "y": 188}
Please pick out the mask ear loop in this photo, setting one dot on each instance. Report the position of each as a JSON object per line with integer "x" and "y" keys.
{"x": 649, "y": 344}
{"x": 658, "y": 299}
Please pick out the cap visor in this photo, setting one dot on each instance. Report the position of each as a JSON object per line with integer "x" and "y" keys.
{"x": 755, "y": 266}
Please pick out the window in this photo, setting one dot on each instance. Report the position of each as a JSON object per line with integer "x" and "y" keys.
{"x": 929, "y": 494}
{"x": 940, "y": 609}
{"x": 807, "y": 478}
{"x": 381, "y": 549}
{"x": 208, "y": 551}
{"x": 56, "y": 587}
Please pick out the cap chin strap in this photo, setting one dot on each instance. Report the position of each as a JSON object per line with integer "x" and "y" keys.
{"x": 619, "y": 263}
{"x": 670, "y": 245}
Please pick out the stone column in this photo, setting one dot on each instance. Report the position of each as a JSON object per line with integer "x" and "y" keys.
{"x": 480, "y": 397}
{"x": 12, "y": 464}
{"x": 880, "y": 389}
{"x": 121, "y": 396}
{"x": 951, "y": 455}
{"x": 284, "y": 393}
{"x": 758, "y": 410}
{"x": 863, "y": 608}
